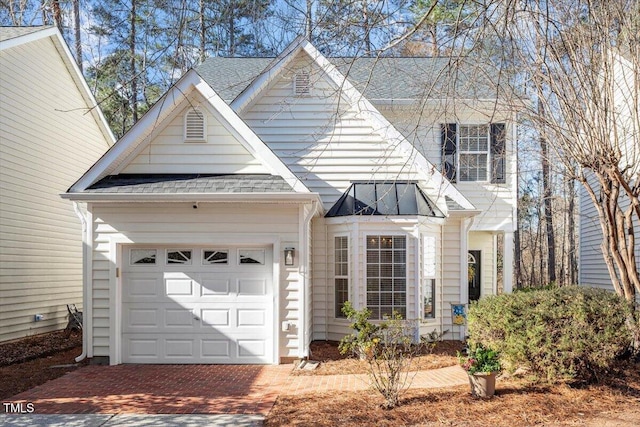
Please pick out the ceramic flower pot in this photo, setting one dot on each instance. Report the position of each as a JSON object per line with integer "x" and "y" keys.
{"x": 483, "y": 384}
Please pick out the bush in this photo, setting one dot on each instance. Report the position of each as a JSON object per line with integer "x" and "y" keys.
{"x": 388, "y": 349}
{"x": 567, "y": 333}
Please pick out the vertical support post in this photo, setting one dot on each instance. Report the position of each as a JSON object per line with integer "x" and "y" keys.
{"x": 507, "y": 264}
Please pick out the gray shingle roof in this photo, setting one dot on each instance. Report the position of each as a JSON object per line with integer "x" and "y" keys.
{"x": 189, "y": 183}
{"x": 376, "y": 78}
{"x": 7, "y": 33}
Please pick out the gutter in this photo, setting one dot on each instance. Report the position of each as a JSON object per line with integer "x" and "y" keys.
{"x": 85, "y": 297}
{"x": 192, "y": 197}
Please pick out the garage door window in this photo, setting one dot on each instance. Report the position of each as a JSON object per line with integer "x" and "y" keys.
{"x": 213, "y": 256}
{"x": 251, "y": 256}
{"x": 143, "y": 256}
{"x": 175, "y": 256}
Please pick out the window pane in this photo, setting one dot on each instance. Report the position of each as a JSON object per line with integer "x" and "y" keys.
{"x": 428, "y": 296}
{"x": 341, "y": 263}
{"x": 386, "y": 275}
{"x": 215, "y": 257}
{"x": 387, "y": 202}
{"x": 143, "y": 256}
{"x": 251, "y": 256}
{"x": 178, "y": 257}
{"x": 341, "y": 296}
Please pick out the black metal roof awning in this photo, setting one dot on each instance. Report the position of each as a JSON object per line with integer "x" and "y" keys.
{"x": 384, "y": 198}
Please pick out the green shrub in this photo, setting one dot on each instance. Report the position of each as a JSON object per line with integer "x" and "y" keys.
{"x": 567, "y": 333}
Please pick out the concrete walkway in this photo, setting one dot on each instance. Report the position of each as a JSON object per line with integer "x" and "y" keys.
{"x": 436, "y": 378}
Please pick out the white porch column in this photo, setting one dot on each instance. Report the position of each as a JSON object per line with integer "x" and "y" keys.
{"x": 507, "y": 263}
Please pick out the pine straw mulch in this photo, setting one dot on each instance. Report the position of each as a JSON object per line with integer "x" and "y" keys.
{"x": 35, "y": 360}
{"x": 613, "y": 402}
{"x": 334, "y": 363}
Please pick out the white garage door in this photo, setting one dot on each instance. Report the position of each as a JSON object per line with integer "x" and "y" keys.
{"x": 197, "y": 305}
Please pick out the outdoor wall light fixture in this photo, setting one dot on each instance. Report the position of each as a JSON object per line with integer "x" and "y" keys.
{"x": 288, "y": 256}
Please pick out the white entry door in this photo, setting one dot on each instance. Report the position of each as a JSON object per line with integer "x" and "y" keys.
{"x": 197, "y": 304}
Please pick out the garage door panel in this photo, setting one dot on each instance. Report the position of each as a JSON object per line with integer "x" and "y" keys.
{"x": 179, "y": 348}
{"x": 216, "y": 349}
{"x": 142, "y": 347}
{"x": 179, "y": 287}
{"x": 147, "y": 318}
{"x": 215, "y": 317}
{"x": 251, "y": 317}
{"x": 198, "y": 312}
{"x": 214, "y": 286}
{"x": 179, "y": 317}
{"x": 250, "y": 287}
{"x": 143, "y": 286}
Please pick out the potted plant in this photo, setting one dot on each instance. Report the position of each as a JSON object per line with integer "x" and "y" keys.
{"x": 482, "y": 364}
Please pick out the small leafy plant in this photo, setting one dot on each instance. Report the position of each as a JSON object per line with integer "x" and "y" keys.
{"x": 480, "y": 360}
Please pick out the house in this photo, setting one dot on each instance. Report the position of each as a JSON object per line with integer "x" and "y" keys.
{"x": 624, "y": 86}
{"x": 231, "y": 223}
{"x": 50, "y": 132}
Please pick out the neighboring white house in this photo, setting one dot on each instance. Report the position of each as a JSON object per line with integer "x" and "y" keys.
{"x": 258, "y": 195}
{"x": 625, "y": 86}
{"x": 50, "y": 132}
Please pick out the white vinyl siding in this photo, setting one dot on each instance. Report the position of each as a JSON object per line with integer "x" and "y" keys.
{"x": 220, "y": 152}
{"x": 179, "y": 224}
{"x": 48, "y": 141}
{"x": 593, "y": 269}
{"x": 324, "y": 140}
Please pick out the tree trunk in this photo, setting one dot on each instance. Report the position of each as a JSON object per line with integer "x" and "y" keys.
{"x": 548, "y": 210}
{"x": 308, "y": 21}
{"x": 203, "y": 33}
{"x": 132, "y": 65}
{"x": 76, "y": 32}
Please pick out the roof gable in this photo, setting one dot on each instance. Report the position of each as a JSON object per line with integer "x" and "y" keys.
{"x": 122, "y": 157}
{"x": 407, "y": 159}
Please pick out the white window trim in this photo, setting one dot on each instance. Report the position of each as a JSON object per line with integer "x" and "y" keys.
{"x": 459, "y": 151}
{"x": 379, "y": 233}
{"x": 336, "y": 276}
{"x": 203, "y": 137}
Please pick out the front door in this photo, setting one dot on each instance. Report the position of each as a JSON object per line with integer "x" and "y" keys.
{"x": 474, "y": 275}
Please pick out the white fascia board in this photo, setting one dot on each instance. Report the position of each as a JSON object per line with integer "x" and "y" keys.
{"x": 248, "y": 138}
{"x": 137, "y": 133}
{"x": 389, "y": 132}
{"x": 30, "y": 37}
{"x": 194, "y": 197}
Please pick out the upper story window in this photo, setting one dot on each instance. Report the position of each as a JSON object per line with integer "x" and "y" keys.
{"x": 474, "y": 152}
{"x": 195, "y": 126}
{"x": 302, "y": 83}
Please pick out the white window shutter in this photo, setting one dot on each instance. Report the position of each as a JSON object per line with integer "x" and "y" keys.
{"x": 302, "y": 84}
{"x": 194, "y": 126}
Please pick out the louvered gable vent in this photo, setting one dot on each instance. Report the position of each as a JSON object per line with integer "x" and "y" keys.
{"x": 194, "y": 126}
{"x": 302, "y": 84}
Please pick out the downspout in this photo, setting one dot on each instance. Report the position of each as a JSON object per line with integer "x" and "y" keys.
{"x": 305, "y": 262}
{"x": 85, "y": 297}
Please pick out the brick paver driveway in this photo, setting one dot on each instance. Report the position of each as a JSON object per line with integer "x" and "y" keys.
{"x": 196, "y": 389}
{"x": 160, "y": 389}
